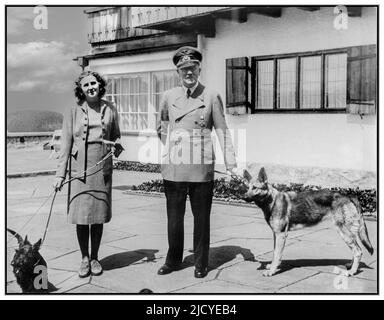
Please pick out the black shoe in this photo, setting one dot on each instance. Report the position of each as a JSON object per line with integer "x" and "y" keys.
{"x": 165, "y": 269}
{"x": 201, "y": 273}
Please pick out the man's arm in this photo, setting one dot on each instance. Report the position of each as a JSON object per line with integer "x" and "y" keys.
{"x": 162, "y": 120}
{"x": 223, "y": 133}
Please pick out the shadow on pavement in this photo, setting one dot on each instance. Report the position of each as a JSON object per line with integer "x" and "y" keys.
{"x": 221, "y": 255}
{"x": 287, "y": 265}
{"x": 123, "y": 259}
{"x": 51, "y": 288}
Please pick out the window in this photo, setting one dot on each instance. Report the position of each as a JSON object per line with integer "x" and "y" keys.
{"x": 307, "y": 81}
{"x": 265, "y": 84}
{"x": 310, "y": 85}
{"x": 137, "y": 97}
{"x": 286, "y": 79}
{"x": 336, "y": 80}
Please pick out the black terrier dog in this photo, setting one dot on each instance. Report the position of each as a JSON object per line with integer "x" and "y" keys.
{"x": 28, "y": 264}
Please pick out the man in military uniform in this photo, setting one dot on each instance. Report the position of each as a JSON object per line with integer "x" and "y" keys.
{"x": 186, "y": 118}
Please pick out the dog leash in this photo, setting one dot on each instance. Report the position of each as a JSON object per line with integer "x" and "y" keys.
{"x": 34, "y": 215}
{"x": 54, "y": 193}
{"x": 109, "y": 154}
{"x": 95, "y": 165}
{"x": 233, "y": 176}
{"x": 49, "y": 218}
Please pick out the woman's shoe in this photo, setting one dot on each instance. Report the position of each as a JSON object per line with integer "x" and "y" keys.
{"x": 85, "y": 269}
{"x": 96, "y": 268}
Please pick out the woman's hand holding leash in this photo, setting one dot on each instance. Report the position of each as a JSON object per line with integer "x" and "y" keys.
{"x": 116, "y": 147}
{"x": 58, "y": 183}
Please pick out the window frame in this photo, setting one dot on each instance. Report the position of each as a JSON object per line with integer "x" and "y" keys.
{"x": 149, "y": 94}
{"x": 298, "y": 56}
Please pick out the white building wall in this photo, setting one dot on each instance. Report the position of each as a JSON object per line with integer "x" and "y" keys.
{"x": 323, "y": 140}
{"x": 320, "y": 140}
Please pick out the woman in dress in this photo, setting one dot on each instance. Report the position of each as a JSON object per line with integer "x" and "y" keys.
{"x": 90, "y": 131}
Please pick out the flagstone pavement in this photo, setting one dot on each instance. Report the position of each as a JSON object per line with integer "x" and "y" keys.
{"x": 134, "y": 246}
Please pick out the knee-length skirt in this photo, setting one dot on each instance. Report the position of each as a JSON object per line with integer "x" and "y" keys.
{"x": 90, "y": 195}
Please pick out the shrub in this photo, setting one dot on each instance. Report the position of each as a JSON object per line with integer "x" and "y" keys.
{"x": 231, "y": 190}
{"x": 136, "y": 166}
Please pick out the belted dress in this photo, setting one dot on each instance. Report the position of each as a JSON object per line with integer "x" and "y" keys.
{"x": 82, "y": 146}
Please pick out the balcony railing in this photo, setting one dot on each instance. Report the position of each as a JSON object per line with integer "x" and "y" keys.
{"x": 144, "y": 16}
{"x": 113, "y": 23}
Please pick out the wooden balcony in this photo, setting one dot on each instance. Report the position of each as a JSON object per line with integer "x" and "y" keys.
{"x": 199, "y": 20}
{"x": 183, "y": 18}
{"x": 107, "y": 24}
{"x": 150, "y": 16}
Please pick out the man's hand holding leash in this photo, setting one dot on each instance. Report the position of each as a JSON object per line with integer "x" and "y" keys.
{"x": 237, "y": 172}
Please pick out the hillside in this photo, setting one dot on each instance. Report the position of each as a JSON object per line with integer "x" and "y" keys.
{"x": 34, "y": 121}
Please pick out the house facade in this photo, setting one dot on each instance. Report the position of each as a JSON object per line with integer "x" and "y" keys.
{"x": 298, "y": 83}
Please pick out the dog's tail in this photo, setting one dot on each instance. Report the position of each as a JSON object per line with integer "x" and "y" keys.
{"x": 363, "y": 235}
{"x": 16, "y": 235}
{"x": 363, "y": 232}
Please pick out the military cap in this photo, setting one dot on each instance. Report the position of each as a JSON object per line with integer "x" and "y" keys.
{"x": 186, "y": 57}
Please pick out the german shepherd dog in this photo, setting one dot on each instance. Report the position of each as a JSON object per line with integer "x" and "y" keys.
{"x": 26, "y": 258}
{"x": 284, "y": 211}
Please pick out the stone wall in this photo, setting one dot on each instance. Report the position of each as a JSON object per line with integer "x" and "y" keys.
{"x": 27, "y": 139}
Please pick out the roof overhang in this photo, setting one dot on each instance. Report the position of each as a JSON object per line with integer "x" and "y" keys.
{"x": 187, "y": 18}
{"x": 97, "y": 9}
{"x": 194, "y": 19}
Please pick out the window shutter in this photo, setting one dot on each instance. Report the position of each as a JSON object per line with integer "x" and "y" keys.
{"x": 361, "y": 94}
{"x": 237, "y": 85}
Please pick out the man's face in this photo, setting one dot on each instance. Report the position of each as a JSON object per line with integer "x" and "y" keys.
{"x": 189, "y": 75}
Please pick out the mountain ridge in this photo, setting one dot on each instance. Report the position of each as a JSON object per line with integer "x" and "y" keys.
{"x": 34, "y": 121}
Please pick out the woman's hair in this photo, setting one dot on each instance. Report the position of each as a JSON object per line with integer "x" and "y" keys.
{"x": 79, "y": 94}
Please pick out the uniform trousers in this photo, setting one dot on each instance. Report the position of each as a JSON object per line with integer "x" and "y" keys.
{"x": 200, "y": 196}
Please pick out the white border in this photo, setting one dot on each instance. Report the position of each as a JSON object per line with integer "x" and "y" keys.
{"x": 176, "y": 297}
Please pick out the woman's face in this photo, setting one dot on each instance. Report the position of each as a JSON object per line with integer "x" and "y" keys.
{"x": 90, "y": 87}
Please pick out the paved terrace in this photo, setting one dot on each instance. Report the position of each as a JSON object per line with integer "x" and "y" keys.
{"x": 134, "y": 247}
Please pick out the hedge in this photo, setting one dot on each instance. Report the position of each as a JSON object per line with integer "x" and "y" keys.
{"x": 231, "y": 190}
{"x": 136, "y": 166}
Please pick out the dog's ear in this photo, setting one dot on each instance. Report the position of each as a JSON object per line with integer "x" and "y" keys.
{"x": 37, "y": 245}
{"x": 262, "y": 175}
{"x": 247, "y": 176}
{"x": 17, "y": 236}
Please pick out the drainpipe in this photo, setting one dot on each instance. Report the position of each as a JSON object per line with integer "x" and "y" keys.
{"x": 201, "y": 47}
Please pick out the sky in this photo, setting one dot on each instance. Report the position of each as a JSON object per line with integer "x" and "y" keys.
{"x": 40, "y": 52}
